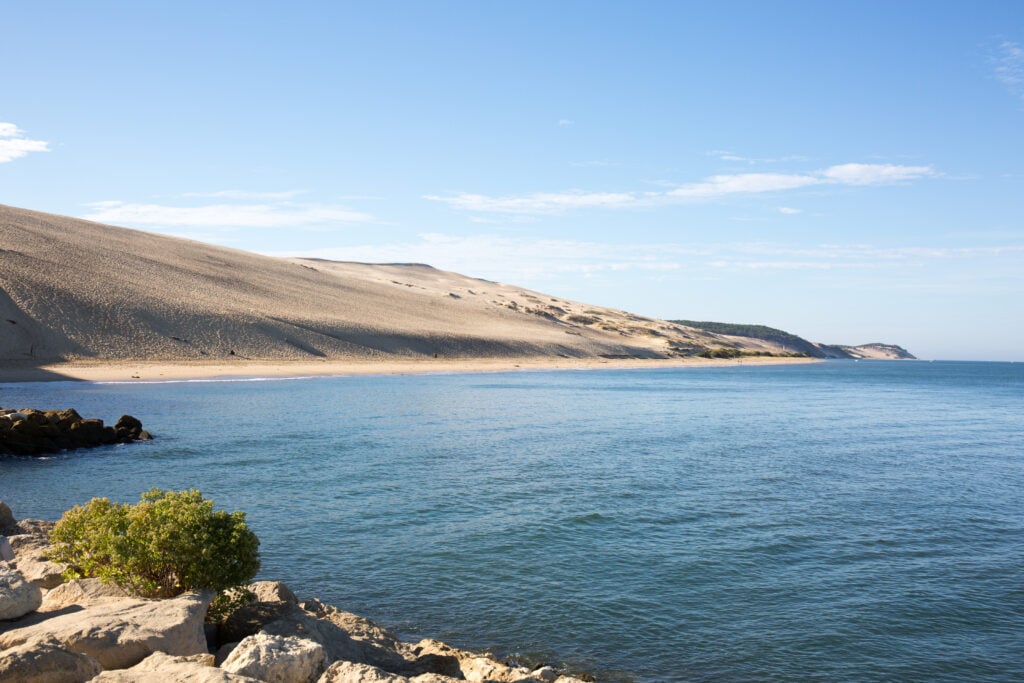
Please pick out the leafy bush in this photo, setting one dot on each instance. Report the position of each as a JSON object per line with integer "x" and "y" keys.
{"x": 167, "y": 543}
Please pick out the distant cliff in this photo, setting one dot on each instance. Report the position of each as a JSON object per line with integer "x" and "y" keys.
{"x": 799, "y": 345}
{"x": 875, "y": 351}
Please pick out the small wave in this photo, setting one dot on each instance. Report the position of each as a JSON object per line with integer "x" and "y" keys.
{"x": 587, "y": 519}
{"x": 210, "y": 380}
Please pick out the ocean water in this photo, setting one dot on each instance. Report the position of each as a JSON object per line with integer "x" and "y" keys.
{"x": 838, "y": 521}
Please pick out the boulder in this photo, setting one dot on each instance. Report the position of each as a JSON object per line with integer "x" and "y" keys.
{"x": 351, "y": 672}
{"x": 250, "y": 619}
{"x": 7, "y": 523}
{"x": 433, "y": 678}
{"x": 36, "y": 527}
{"x": 28, "y": 543}
{"x": 6, "y": 551}
{"x": 82, "y": 592}
{"x": 435, "y": 657}
{"x": 337, "y": 642}
{"x": 120, "y": 633}
{"x": 164, "y": 668}
{"x": 272, "y": 591}
{"x": 127, "y": 428}
{"x": 271, "y": 600}
{"x": 455, "y": 663}
{"x": 44, "y": 661}
{"x": 41, "y": 572}
{"x": 223, "y": 652}
{"x": 30, "y": 554}
{"x": 356, "y": 626}
{"x": 277, "y": 659}
{"x": 18, "y": 596}
{"x": 546, "y": 674}
{"x": 65, "y": 418}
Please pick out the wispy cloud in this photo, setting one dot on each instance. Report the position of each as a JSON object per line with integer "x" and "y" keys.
{"x": 525, "y": 260}
{"x": 726, "y": 155}
{"x": 873, "y": 174}
{"x": 713, "y": 187}
{"x": 565, "y": 122}
{"x": 1009, "y": 66}
{"x": 245, "y": 195}
{"x": 539, "y": 202}
{"x": 223, "y": 215}
{"x": 516, "y": 259}
{"x": 789, "y": 210}
{"x": 14, "y": 144}
{"x": 743, "y": 183}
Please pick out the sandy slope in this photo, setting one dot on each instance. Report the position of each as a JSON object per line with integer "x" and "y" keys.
{"x": 76, "y": 291}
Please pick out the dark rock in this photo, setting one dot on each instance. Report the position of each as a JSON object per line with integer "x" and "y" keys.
{"x": 8, "y": 525}
{"x": 128, "y": 428}
{"x": 35, "y": 432}
{"x": 250, "y": 619}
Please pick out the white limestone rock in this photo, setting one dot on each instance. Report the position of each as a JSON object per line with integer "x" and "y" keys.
{"x": 277, "y": 659}
{"x": 273, "y": 591}
{"x": 351, "y": 672}
{"x": 30, "y": 553}
{"x": 6, "y": 551}
{"x": 18, "y": 597}
{"x": 546, "y": 674}
{"x": 160, "y": 667}
{"x": 82, "y": 592}
{"x": 434, "y": 678}
{"x": 359, "y": 628}
{"x": 450, "y": 661}
{"x": 120, "y": 633}
{"x": 45, "y": 662}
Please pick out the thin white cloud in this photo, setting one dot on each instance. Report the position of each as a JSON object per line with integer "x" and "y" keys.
{"x": 14, "y": 144}
{"x": 515, "y": 259}
{"x": 874, "y": 174}
{"x": 244, "y": 195}
{"x": 524, "y": 260}
{"x": 565, "y": 122}
{"x": 726, "y": 155}
{"x": 714, "y": 187}
{"x": 1009, "y": 66}
{"x": 744, "y": 183}
{"x": 223, "y": 216}
{"x": 789, "y": 211}
{"x": 539, "y": 202}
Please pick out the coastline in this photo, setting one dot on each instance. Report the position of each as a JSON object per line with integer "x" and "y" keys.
{"x": 77, "y": 629}
{"x": 145, "y": 370}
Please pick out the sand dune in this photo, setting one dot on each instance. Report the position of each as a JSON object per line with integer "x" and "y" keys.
{"x": 74, "y": 291}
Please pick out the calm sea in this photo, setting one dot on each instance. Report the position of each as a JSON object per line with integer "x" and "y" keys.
{"x": 839, "y": 521}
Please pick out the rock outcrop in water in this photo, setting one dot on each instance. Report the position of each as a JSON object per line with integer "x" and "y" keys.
{"x": 84, "y": 630}
{"x": 45, "y": 432}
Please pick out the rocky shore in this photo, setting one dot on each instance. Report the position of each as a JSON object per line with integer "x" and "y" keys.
{"x": 45, "y": 432}
{"x": 84, "y": 630}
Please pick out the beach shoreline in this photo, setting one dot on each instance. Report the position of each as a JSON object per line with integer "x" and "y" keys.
{"x": 143, "y": 371}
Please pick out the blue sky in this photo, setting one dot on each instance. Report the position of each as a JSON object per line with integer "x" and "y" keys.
{"x": 848, "y": 171}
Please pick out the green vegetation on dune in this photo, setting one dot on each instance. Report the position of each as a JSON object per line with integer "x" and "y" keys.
{"x": 789, "y": 341}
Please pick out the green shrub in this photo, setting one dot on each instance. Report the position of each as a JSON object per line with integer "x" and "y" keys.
{"x": 167, "y": 543}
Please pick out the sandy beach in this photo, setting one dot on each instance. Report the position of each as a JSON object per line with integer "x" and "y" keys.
{"x": 164, "y": 371}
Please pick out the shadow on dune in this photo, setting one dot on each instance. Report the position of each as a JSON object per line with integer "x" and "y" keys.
{"x": 26, "y": 346}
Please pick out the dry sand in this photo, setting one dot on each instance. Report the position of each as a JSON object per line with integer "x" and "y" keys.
{"x": 82, "y": 299}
